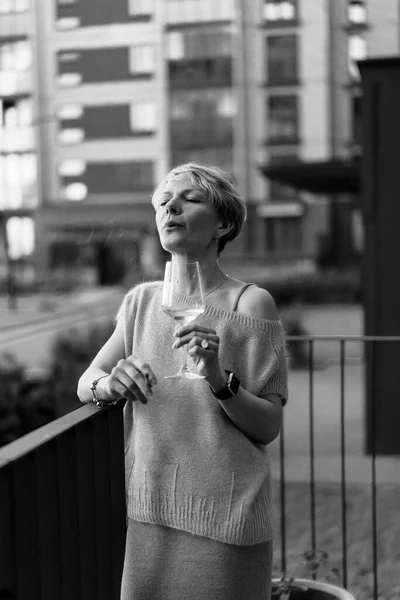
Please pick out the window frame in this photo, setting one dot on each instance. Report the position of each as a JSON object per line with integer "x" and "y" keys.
{"x": 144, "y": 12}
{"x": 142, "y": 72}
{"x": 147, "y": 130}
{"x": 280, "y": 21}
{"x": 279, "y": 80}
{"x": 284, "y": 139}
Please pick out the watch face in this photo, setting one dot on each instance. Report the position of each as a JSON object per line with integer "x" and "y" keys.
{"x": 233, "y": 383}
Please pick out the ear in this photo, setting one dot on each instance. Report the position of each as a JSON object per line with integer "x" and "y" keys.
{"x": 222, "y": 230}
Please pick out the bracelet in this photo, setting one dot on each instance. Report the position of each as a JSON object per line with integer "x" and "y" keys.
{"x": 97, "y": 401}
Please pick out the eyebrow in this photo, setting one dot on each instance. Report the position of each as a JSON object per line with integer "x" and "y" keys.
{"x": 185, "y": 191}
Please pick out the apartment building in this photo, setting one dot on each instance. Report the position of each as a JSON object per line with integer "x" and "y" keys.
{"x": 125, "y": 90}
{"x": 18, "y": 166}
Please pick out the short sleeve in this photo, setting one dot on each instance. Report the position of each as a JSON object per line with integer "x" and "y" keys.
{"x": 277, "y": 380}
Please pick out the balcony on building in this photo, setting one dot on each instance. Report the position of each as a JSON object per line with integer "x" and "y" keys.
{"x": 356, "y": 16}
{"x": 201, "y": 133}
{"x": 193, "y": 11}
{"x": 279, "y": 13}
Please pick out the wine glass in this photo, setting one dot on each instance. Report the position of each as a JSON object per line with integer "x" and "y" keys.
{"x": 183, "y": 300}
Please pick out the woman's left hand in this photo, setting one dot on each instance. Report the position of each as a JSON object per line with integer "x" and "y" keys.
{"x": 202, "y": 347}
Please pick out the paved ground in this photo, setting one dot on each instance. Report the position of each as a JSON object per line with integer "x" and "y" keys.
{"x": 45, "y": 305}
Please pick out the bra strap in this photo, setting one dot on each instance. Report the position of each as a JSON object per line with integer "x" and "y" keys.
{"x": 239, "y": 295}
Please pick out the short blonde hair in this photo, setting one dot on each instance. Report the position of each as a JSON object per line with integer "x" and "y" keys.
{"x": 220, "y": 188}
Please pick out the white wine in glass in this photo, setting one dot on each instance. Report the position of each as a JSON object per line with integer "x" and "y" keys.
{"x": 183, "y": 300}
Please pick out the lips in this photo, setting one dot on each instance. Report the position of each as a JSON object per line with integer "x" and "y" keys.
{"x": 171, "y": 224}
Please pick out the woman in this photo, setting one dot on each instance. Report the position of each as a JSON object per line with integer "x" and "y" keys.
{"x": 197, "y": 474}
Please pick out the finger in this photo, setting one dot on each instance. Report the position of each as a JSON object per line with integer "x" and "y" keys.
{"x": 119, "y": 389}
{"x": 193, "y": 327}
{"x": 144, "y": 369}
{"x": 134, "y": 382}
{"x": 193, "y": 338}
{"x": 203, "y": 344}
{"x": 202, "y": 352}
{"x": 140, "y": 378}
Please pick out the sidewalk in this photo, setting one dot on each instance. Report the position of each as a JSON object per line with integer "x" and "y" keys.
{"x": 43, "y": 306}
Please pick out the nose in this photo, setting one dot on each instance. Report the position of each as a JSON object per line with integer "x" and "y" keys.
{"x": 173, "y": 206}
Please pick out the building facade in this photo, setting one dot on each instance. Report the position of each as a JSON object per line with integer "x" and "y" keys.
{"x": 18, "y": 144}
{"x": 121, "y": 92}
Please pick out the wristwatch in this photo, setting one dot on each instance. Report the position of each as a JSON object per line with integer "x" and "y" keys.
{"x": 231, "y": 388}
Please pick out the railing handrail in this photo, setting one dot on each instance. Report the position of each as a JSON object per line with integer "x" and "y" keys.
{"x": 338, "y": 338}
{"x": 33, "y": 440}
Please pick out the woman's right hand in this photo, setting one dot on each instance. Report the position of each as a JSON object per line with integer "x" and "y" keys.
{"x": 131, "y": 378}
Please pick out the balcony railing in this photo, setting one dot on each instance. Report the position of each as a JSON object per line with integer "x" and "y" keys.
{"x": 62, "y": 509}
{"x": 328, "y": 451}
{"x": 62, "y": 501}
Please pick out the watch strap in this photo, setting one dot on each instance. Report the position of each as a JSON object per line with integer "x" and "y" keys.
{"x": 231, "y": 388}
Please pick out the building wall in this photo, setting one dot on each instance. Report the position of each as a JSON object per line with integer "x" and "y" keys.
{"x": 111, "y": 148}
{"x": 315, "y": 59}
{"x": 383, "y": 37}
{"x": 18, "y": 178}
{"x": 108, "y": 88}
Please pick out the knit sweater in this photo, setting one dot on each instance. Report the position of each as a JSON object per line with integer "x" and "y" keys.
{"x": 187, "y": 465}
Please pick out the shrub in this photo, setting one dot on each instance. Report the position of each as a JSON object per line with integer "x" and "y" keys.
{"x": 72, "y": 353}
{"x": 27, "y": 403}
{"x": 315, "y": 288}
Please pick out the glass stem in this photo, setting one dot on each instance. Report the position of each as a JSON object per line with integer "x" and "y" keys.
{"x": 184, "y": 366}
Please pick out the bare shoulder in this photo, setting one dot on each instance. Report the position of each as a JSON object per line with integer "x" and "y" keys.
{"x": 258, "y": 303}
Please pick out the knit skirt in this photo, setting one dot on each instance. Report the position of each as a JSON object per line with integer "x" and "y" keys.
{"x": 162, "y": 563}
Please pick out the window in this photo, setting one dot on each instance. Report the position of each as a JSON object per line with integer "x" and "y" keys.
{"x": 141, "y": 7}
{"x": 18, "y": 174}
{"x": 109, "y": 178}
{"x": 75, "y": 192}
{"x": 357, "y": 12}
{"x": 198, "y": 105}
{"x": 282, "y": 59}
{"x": 21, "y": 5}
{"x": 282, "y": 118}
{"x": 69, "y": 79}
{"x": 280, "y": 10}
{"x": 283, "y": 234}
{"x": 67, "y": 57}
{"x": 69, "y": 68}
{"x": 205, "y": 42}
{"x": 69, "y": 111}
{"x": 70, "y": 136}
{"x": 201, "y": 57}
{"x": 13, "y": 6}
{"x": 226, "y": 104}
{"x": 67, "y": 23}
{"x": 186, "y": 11}
{"x": 16, "y": 113}
{"x": 142, "y": 59}
{"x": 280, "y": 192}
{"x": 143, "y": 116}
{"x": 72, "y": 167}
{"x": 357, "y": 50}
{"x": 15, "y": 56}
{"x": 21, "y": 237}
{"x": 202, "y": 118}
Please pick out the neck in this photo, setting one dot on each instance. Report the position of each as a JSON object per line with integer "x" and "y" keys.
{"x": 211, "y": 273}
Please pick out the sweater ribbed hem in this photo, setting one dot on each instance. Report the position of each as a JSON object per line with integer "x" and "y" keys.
{"x": 193, "y": 517}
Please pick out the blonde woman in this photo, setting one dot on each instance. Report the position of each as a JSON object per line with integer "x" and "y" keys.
{"x": 197, "y": 476}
